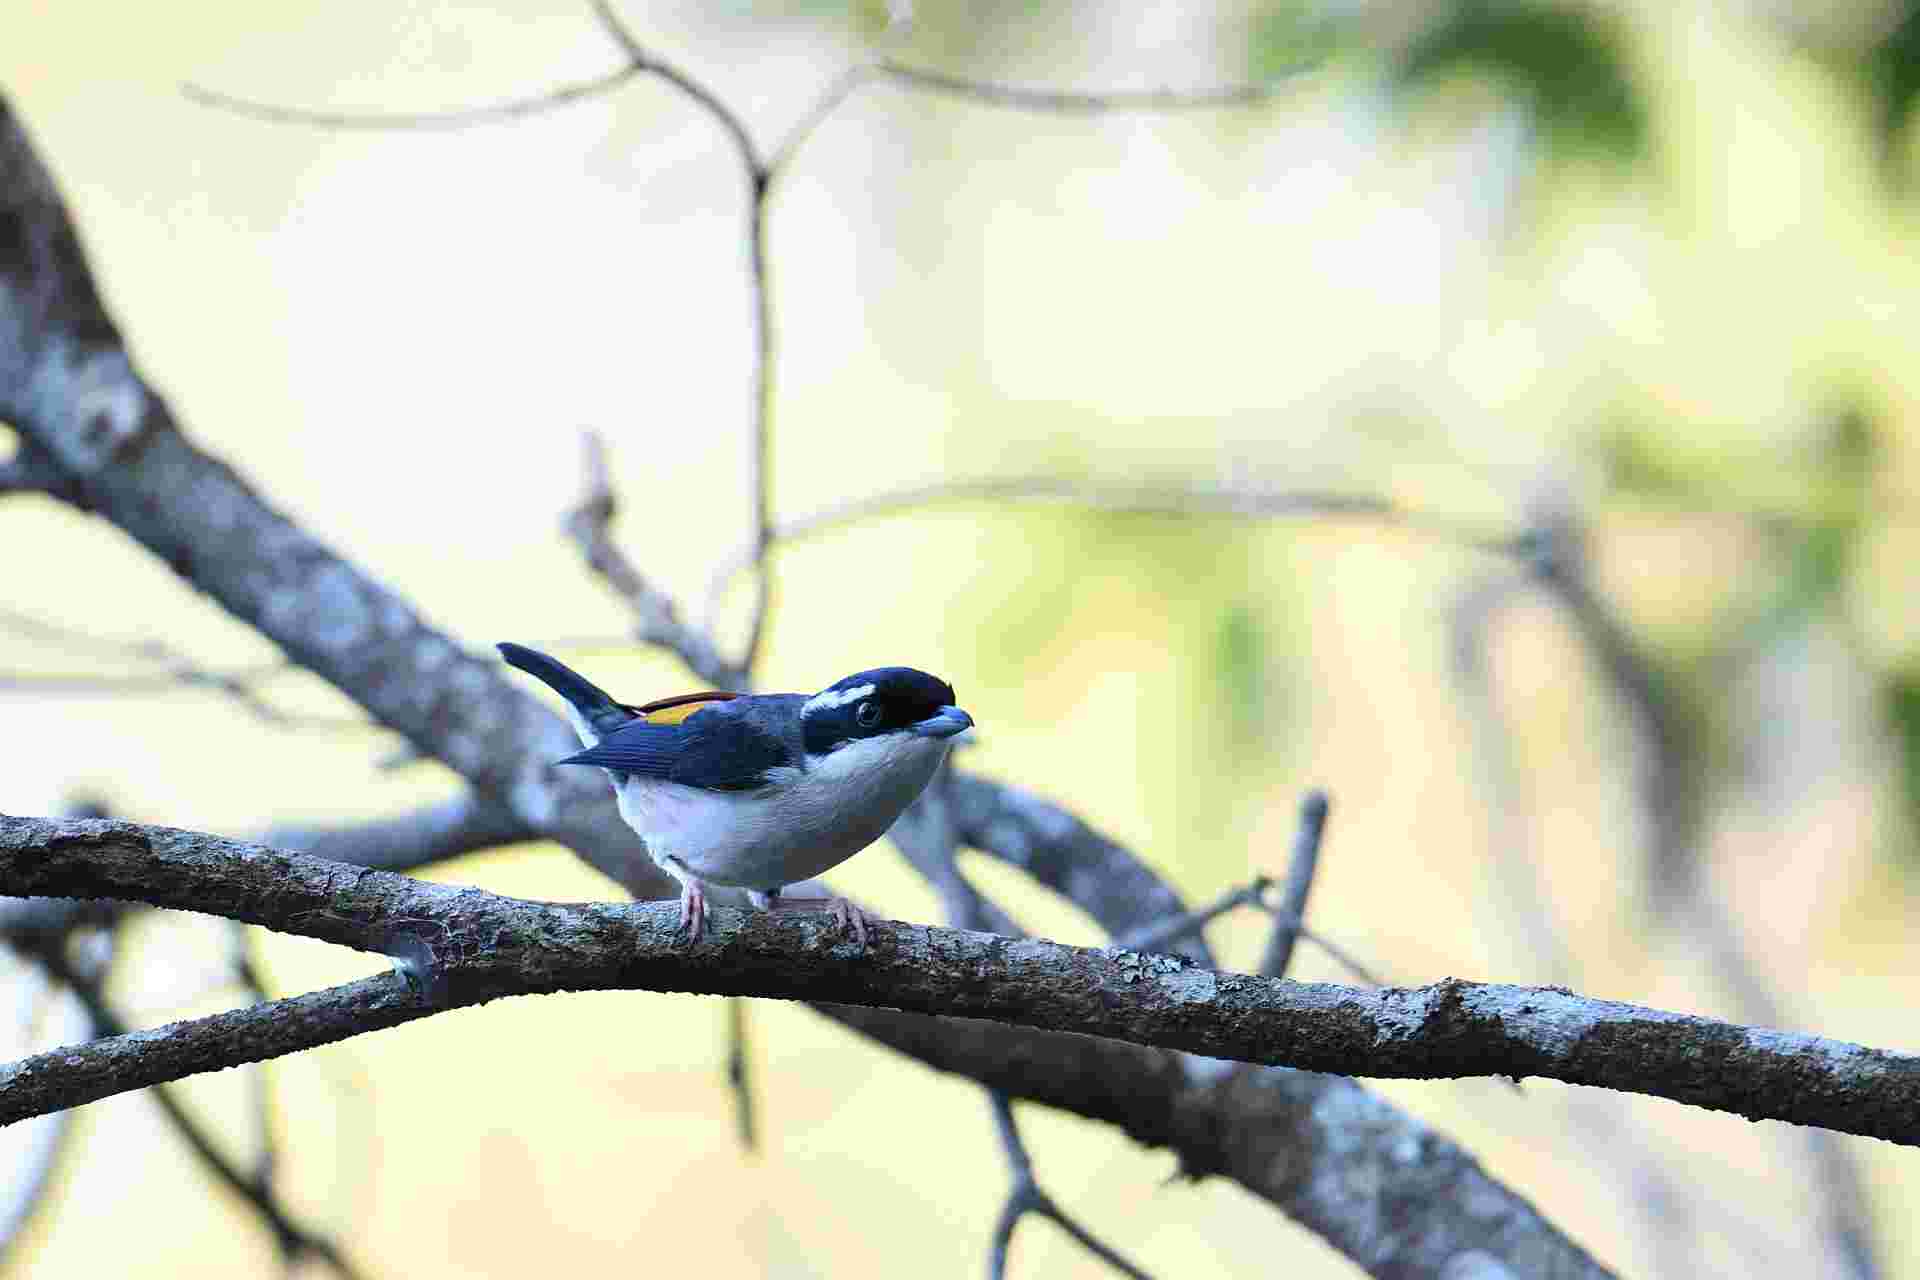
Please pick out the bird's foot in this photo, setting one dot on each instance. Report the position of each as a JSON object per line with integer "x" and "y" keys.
{"x": 693, "y": 910}
{"x": 851, "y": 919}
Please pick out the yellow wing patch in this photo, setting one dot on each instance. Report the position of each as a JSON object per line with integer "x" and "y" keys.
{"x": 675, "y": 710}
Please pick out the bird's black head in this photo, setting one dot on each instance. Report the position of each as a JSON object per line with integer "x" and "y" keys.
{"x": 872, "y": 704}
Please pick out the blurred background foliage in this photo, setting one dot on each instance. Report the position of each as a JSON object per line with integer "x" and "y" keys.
{"x": 1617, "y": 303}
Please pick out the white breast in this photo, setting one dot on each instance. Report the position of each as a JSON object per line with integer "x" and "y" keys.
{"x": 800, "y": 825}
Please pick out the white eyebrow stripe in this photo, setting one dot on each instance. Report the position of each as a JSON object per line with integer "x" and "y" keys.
{"x": 830, "y": 699}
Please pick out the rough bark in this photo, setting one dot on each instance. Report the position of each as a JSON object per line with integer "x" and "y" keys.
{"x": 466, "y": 946}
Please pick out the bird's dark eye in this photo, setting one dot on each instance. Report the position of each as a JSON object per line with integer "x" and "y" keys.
{"x": 867, "y": 715}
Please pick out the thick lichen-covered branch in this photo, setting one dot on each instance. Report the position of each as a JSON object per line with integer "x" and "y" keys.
{"x": 468, "y": 946}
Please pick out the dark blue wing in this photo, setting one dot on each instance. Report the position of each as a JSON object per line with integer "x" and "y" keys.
{"x": 712, "y": 751}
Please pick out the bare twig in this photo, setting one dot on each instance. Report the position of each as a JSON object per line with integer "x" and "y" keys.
{"x": 1163, "y": 500}
{"x": 1524, "y": 897}
{"x": 930, "y": 840}
{"x": 708, "y": 101}
{"x": 1671, "y": 779}
{"x": 740, "y": 1073}
{"x": 1077, "y": 102}
{"x": 656, "y": 616}
{"x": 1339, "y": 955}
{"x": 240, "y": 955}
{"x": 181, "y": 671}
{"x": 1027, "y": 1197}
{"x": 1019, "y": 98}
{"x": 457, "y": 118}
{"x": 46, "y": 1137}
{"x": 1290, "y": 913}
{"x": 825, "y": 105}
{"x": 1155, "y": 937}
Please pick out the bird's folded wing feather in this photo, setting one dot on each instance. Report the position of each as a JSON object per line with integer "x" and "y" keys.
{"x": 717, "y": 753}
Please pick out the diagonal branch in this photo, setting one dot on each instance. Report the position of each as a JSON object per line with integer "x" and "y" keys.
{"x": 1027, "y": 1197}
{"x": 656, "y": 616}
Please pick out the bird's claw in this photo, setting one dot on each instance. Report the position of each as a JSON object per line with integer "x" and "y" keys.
{"x": 693, "y": 910}
{"x": 851, "y": 919}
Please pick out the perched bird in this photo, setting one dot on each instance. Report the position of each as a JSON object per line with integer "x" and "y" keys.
{"x": 761, "y": 791}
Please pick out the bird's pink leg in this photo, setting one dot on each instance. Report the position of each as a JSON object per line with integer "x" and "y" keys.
{"x": 693, "y": 909}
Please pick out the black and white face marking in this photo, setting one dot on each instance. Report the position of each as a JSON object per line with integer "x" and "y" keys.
{"x": 873, "y": 704}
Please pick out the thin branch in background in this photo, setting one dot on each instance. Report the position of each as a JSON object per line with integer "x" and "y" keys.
{"x": 1338, "y": 954}
{"x": 1155, "y": 937}
{"x": 758, "y": 179}
{"x": 458, "y": 118}
{"x": 829, "y": 101}
{"x": 240, "y": 955}
{"x": 1554, "y": 559}
{"x": 1287, "y": 921}
{"x": 1023, "y": 98}
{"x": 31, "y": 1174}
{"x": 1670, "y": 781}
{"x": 1156, "y": 500}
{"x": 759, "y": 477}
{"x": 1075, "y": 102}
{"x": 238, "y": 684}
{"x": 1027, "y": 1197}
{"x": 931, "y": 841}
{"x": 1523, "y": 897}
{"x": 1290, "y": 913}
{"x": 739, "y": 1073}
{"x": 293, "y": 1240}
{"x": 657, "y": 618}
{"x": 640, "y": 59}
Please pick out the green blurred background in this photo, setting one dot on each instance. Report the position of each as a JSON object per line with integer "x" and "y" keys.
{"x": 1644, "y": 267}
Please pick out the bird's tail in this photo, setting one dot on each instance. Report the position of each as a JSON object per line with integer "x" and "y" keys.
{"x": 596, "y": 711}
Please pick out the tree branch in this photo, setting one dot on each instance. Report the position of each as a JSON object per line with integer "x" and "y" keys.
{"x": 1156, "y": 500}
{"x": 1027, "y": 1196}
{"x": 474, "y": 946}
{"x": 1291, "y": 912}
{"x": 1076, "y": 102}
{"x": 656, "y": 616}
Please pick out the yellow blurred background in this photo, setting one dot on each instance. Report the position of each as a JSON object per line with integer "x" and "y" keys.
{"x": 1419, "y": 292}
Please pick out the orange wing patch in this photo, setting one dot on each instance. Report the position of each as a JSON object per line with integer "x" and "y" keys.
{"x": 674, "y": 710}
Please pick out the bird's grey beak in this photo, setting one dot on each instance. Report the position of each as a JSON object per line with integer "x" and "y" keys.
{"x": 944, "y": 723}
